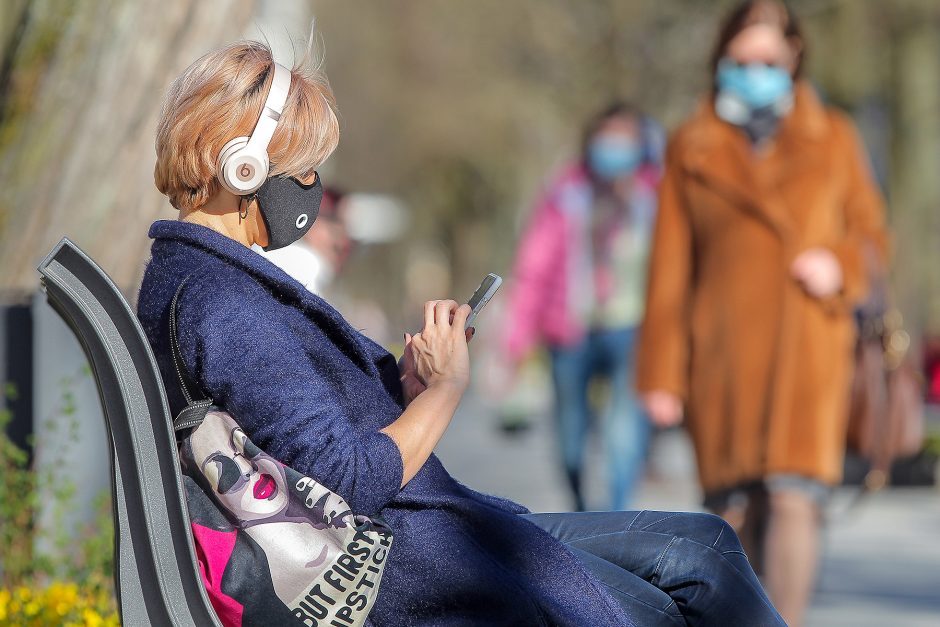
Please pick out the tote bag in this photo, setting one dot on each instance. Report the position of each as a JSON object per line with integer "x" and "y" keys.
{"x": 273, "y": 546}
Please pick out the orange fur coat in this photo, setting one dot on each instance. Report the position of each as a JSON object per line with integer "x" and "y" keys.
{"x": 763, "y": 368}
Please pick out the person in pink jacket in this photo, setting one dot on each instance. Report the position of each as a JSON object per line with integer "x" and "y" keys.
{"x": 578, "y": 288}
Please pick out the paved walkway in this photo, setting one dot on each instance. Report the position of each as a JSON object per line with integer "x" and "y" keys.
{"x": 881, "y": 565}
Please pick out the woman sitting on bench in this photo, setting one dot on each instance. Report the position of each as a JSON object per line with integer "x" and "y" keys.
{"x": 314, "y": 393}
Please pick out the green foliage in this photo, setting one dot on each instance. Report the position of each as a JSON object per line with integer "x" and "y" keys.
{"x": 34, "y": 583}
{"x": 17, "y": 507}
{"x": 932, "y": 443}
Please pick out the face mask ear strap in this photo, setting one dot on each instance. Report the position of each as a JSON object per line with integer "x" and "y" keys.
{"x": 245, "y": 201}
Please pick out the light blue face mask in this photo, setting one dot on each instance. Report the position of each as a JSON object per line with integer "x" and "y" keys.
{"x": 612, "y": 157}
{"x": 755, "y": 85}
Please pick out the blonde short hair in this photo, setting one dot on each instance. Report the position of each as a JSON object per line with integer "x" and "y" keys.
{"x": 218, "y": 98}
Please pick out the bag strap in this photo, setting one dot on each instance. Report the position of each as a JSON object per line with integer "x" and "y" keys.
{"x": 196, "y": 403}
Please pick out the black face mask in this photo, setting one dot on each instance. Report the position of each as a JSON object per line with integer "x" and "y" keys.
{"x": 288, "y": 208}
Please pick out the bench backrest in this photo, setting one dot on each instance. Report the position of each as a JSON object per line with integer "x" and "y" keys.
{"x": 156, "y": 576}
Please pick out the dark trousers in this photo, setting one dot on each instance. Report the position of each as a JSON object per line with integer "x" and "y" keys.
{"x": 667, "y": 568}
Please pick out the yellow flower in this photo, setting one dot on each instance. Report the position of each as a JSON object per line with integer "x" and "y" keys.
{"x": 63, "y": 604}
{"x": 63, "y": 592}
{"x": 31, "y": 608}
{"x": 92, "y": 618}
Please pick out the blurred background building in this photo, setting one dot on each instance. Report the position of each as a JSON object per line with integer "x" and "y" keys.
{"x": 456, "y": 110}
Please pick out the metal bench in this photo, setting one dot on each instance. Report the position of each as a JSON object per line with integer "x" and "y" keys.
{"x": 156, "y": 576}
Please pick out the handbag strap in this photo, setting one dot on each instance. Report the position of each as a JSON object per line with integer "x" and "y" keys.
{"x": 196, "y": 402}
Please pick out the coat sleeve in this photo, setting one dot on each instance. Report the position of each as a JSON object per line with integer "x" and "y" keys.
{"x": 252, "y": 364}
{"x": 662, "y": 360}
{"x": 863, "y": 248}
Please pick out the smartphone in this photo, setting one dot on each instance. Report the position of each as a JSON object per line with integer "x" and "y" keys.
{"x": 484, "y": 293}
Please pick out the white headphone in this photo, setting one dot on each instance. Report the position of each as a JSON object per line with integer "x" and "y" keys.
{"x": 243, "y": 162}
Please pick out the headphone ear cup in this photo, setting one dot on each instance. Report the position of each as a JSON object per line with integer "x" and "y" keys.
{"x": 246, "y": 170}
{"x": 223, "y": 164}
{"x": 242, "y": 170}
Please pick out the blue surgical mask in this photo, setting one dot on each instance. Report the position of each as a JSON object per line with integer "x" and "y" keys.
{"x": 612, "y": 157}
{"x": 755, "y": 85}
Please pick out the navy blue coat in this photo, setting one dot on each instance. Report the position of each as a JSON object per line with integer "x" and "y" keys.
{"x": 314, "y": 393}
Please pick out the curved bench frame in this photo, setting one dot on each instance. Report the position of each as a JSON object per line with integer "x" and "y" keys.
{"x": 156, "y": 577}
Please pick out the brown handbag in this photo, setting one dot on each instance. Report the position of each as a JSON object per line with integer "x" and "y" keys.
{"x": 886, "y": 415}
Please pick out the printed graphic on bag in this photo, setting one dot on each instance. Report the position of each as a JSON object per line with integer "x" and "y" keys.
{"x": 272, "y": 544}
{"x": 341, "y": 594}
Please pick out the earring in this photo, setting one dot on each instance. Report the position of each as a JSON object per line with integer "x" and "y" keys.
{"x": 243, "y": 214}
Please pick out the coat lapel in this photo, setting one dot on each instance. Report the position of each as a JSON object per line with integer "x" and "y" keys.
{"x": 797, "y": 151}
{"x": 721, "y": 157}
{"x": 282, "y": 285}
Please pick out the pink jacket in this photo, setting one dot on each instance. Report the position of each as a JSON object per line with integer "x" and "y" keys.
{"x": 547, "y": 289}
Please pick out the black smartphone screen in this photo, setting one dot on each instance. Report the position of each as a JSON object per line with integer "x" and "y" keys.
{"x": 480, "y": 294}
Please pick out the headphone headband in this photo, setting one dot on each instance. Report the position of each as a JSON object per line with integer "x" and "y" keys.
{"x": 272, "y": 109}
{"x": 243, "y": 162}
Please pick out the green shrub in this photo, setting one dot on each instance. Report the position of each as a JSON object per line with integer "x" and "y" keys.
{"x": 74, "y": 583}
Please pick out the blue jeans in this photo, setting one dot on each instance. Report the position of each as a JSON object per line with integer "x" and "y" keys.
{"x": 625, "y": 428}
{"x": 667, "y": 568}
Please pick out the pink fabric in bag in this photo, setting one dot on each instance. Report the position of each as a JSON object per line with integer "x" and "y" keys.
{"x": 213, "y": 551}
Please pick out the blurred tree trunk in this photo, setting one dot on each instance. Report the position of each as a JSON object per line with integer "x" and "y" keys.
{"x": 12, "y": 21}
{"x": 915, "y": 176}
{"x": 79, "y": 111}
{"x": 81, "y": 86}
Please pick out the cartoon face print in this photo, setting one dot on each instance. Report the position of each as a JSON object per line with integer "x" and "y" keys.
{"x": 251, "y": 486}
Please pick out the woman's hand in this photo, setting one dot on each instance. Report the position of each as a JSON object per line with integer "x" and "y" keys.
{"x": 818, "y": 271}
{"x": 435, "y": 372}
{"x": 410, "y": 383}
{"x": 438, "y": 355}
{"x": 664, "y": 408}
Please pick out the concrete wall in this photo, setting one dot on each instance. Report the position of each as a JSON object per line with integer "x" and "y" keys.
{"x": 71, "y": 441}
